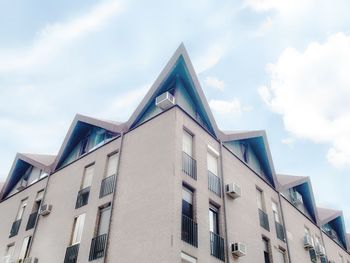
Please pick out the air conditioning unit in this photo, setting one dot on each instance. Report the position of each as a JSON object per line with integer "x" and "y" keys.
{"x": 297, "y": 198}
{"x": 233, "y": 190}
{"x": 165, "y": 101}
{"x": 308, "y": 242}
{"x": 320, "y": 250}
{"x": 238, "y": 249}
{"x": 23, "y": 184}
{"x": 30, "y": 260}
{"x": 45, "y": 210}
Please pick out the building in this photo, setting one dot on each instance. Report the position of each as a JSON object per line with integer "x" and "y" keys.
{"x": 166, "y": 186}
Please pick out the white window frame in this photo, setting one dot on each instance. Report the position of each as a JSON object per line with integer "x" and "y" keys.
{"x": 78, "y": 228}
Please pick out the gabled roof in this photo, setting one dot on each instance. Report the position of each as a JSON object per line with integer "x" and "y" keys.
{"x": 81, "y": 119}
{"x": 179, "y": 65}
{"x": 23, "y": 160}
{"x": 258, "y": 139}
{"x": 336, "y": 217}
{"x": 304, "y": 187}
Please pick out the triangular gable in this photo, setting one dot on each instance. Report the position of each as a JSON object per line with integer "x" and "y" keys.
{"x": 303, "y": 185}
{"x": 258, "y": 141}
{"x": 178, "y": 73}
{"x": 21, "y": 163}
{"x": 334, "y": 218}
{"x": 80, "y": 125}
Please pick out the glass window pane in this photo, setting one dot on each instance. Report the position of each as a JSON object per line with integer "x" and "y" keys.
{"x": 187, "y": 143}
{"x": 213, "y": 221}
{"x": 259, "y": 199}
{"x": 105, "y": 214}
{"x": 24, "y": 248}
{"x": 212, "y": 163}
{"x": 78, "y": 229}
{"x": 88, "y": 174}
{"x": 187, "y": 202}
{"x": 112, "y": 164}
{"x": 21, "y": 209}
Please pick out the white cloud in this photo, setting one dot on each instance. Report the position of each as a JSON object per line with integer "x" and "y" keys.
{"x": 264, "y": 27}
{"x": 311, "y": 90}
{"x": 288, "y": 141}
{"x": 214, "y": 83}
{"x": 55, "y": 37}
{"x": 279, "y": 5}
{"x": 232, "y": 107}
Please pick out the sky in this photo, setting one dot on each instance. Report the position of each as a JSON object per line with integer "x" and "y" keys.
{"x": 280, "y": 66}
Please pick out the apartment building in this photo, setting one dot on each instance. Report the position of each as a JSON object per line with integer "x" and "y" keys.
{"x": 165, "y": 186}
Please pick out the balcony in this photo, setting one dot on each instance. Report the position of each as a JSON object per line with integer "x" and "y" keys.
{"x": 217, "y": 246}
{"x": 107, "y": 185}
{"x": 15, "y": 227}
{"x": 214, "y": 183}
{"x": 32, "y": 220}
{"x": 98, "y": 247}
{"x": 280, "y": 232}
{"x": 189, "y": 231}
{"x": 189, "y": 165}
{"x": 83, "y": 197}
{"x": 264, "y": 220}
{"x": 71, "y": 254}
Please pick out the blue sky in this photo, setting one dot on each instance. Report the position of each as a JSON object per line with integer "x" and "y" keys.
{"x": 282, "y": 66}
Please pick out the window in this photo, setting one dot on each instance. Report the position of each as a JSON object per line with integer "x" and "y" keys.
{"x": 9, "y": 253}
{"x": 245, "y": 152}
{"x": 103, "y": 220}
{"x": 260, "y": 199}
{"x": 281, "y": 256}
{"x": 24, "y": 249}
{"x": 78, "y": 229}
{"x": 187, "y": 202}
{"x": 187, "y": 259}
{"x": 266, "y": 248}
{"x": 187, "y": 143}
{"x": 214, "y": 219}
{"x": 212, "y": 161}
{"x": 341, "y": 259}
{"x": 21, "y": 209}
{"x": 112, "y": 165}
{"x": 37, "y": 203}
{"x": 275, "y": 212}
{"x": 34, "y": 175}
{"x": 88, "y": 174}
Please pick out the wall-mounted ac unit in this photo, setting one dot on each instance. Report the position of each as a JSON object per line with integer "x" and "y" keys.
{"x": 297, "y": 198}
{"x": 30, "y": 260}
{"x": 22, "y": 184}
{"x": 320, "y": 250}
{"x": 308, "y": 242}
{"x": 165, "y": 101}
{"x": 233, "y": 190}
{"x": 45, "y": 209}
{"x": 238, "y": 249}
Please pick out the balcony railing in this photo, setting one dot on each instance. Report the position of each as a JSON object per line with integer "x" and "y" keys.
{"x": 280, "y": 231}
{"x": 83, "y": 197}
{"x": 98, "y": 247}
{"x": 107, "y": 185}
{"x": 189, "y": 231}
{"x": 71, "y": 254}
{"x": 217, "y": 246}
{"x": 214, "y": 183}
{"x": 264, "y": 220}
{"x": 189, "y": 165}
{"x": 15, "y": 227}
{"x": 32, "y": 220}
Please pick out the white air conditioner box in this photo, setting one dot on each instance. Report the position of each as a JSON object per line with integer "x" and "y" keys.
{"x": 238, "y": 249}
{"x": 165, "y": 101}
{"x": 308, "y": 242}
{"x": 233, "y": 190}
{"x": 45, "y": 210}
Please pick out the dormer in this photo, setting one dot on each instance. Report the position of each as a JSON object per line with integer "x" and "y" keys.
{"x": 298, "y": 191}
{"x": 26, "y": 170}
{"x": 332, "y": 224}
{"x": 177, "y": 85}
{"x": 85, "y": 135}
{"x": 253, "y": 149}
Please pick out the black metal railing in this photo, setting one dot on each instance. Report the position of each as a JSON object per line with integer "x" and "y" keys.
{"x": 98, "y": 247}
{"x": 189, "y": 165}
{"x": 264, "y": 220}
{"x": 71, "y": 254}
{"x": 280, "y": 231}
{"x": 189, "y": 231}
{"x": 107, "y": 185}
{"x": 214, "y": 183}
{"x": 83, "y": 197}
{"x": 32, "y": 220}
{"x": 217, "y": 246}
{"x": 15, "y": 227}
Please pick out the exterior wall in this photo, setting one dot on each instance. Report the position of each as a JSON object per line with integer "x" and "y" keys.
{"x": 243, "y": 219}
{"x": 333, "y": 250}
{"x": 54, "y": 231}
{"x": 8, "y": 213}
